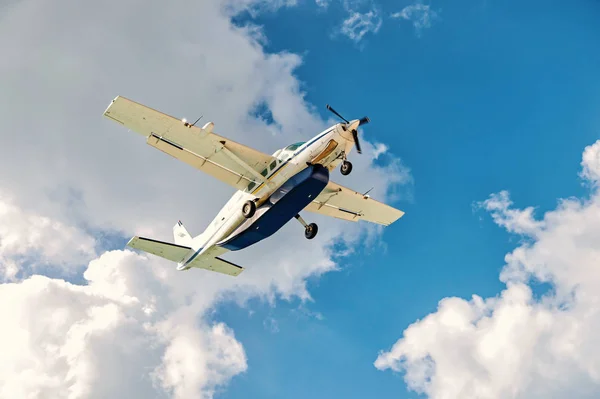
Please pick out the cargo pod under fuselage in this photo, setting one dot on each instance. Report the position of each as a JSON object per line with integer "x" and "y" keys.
{"x": 283, "y": 205}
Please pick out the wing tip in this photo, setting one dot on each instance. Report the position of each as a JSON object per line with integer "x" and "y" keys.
{"x": 132, "y": 242}
{"x": 107, "y": 110}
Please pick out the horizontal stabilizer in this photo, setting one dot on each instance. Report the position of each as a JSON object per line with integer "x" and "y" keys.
{"x": 217, "y": 265}
{"x": 172, "y": 252}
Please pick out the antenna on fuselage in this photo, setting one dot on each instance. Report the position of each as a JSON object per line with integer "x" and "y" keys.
{"x": 365, "y": 195}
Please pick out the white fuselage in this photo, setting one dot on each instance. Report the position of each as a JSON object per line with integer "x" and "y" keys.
{"x": 328, "y": 148}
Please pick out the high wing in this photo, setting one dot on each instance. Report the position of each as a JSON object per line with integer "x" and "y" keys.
{"x": 224, "y": 159}
{"x": 343, "y": 203}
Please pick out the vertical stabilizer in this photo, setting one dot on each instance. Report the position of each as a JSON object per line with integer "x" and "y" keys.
{"x": 182, "y": 237}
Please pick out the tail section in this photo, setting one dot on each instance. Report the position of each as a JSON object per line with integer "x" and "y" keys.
{"x": 182, "y": 252}
{"x": 217, "y": 264}
{"x": 172, "y": 252}
{"x": 182, "y": 237}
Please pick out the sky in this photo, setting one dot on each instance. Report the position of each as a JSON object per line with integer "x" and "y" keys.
{"x": 484, "y": 130}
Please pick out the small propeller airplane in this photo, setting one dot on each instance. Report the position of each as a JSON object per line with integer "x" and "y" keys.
{"x": 271, "y": 189}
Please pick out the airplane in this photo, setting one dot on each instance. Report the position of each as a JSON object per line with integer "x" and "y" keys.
{"x": 271, "y": 189}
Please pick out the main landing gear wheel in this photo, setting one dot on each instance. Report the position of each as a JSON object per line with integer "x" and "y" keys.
{"x": 248, "y": 209}
{"x": 346, "y": 168}
{"x": 310, "y": 231}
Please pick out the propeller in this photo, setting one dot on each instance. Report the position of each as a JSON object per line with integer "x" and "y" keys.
{"x": 362, "y": 121}
{"x": 356, "y": 142}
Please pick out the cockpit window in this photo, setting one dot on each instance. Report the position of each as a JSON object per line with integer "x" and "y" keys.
{"x": 294, "y": 146}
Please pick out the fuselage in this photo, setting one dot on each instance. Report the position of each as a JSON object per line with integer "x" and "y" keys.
{"x": 326, "y": 150}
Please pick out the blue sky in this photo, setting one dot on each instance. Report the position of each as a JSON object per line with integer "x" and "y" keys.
{"x": 474, "y": 97}
{"x": 493, "y": 96}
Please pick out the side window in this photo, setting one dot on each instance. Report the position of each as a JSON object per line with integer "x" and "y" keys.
{"x": 273, "y": 164}
{"x": 264, "y": 172}
{"x": 251, "y": 186}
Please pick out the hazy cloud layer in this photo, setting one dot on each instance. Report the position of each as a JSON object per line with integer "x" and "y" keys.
{"x": 517, "y": 345}
{"x": 136, "y": 327}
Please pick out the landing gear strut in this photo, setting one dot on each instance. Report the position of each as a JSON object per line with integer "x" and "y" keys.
{"x": 346, "y": 168}
{"x": 310, "y": 230}
{"x": 248, "y": 209}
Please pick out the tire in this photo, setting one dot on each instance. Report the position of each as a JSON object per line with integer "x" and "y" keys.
{"x": 248, "y": 209}
{"x": 346, "y": 168}
{"x": 311, "y": 231}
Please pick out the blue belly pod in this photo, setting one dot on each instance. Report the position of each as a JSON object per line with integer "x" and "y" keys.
{"x": 285, "y": 203}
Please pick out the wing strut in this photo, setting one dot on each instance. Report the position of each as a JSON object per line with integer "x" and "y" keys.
{"x": 243, "y": 164}
{"x": 322, "y": 204}
{"x": 177, "y": 151}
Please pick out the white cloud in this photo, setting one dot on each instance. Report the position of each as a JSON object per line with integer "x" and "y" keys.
{"x": 358, "y": 24}
{"x": 139, "y": 328}
{"x": 519, "y": 345}
{"x": 39, "y": 241}
{"x": 420, "y": 14}
{"x": 591, "y": 163}
{"x": 513, "y": 220}
{"x": 83, "y": 162}
{"x": 255, "y": 7}
{"x": 100, "y": 340}
{"x": 197, "y": 359}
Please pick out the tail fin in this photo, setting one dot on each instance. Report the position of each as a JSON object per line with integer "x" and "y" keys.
{"x": 182, "y": 237}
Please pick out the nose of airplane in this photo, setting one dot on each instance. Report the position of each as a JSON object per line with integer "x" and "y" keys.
{"x": 349, "y": 131}
{"x": 349, "y": 127}
{"x": 353, "y": 125}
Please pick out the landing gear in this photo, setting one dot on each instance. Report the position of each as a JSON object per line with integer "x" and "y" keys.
{"x": 346, "y": 168}
{"x": 248, "y": 209}
{"x": 310, "y": 230}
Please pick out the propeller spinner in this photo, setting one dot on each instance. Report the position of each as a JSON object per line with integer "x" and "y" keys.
{"x": 362, "y": 121}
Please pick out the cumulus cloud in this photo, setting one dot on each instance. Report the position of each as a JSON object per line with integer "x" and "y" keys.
{"x": 358, "y": 24}
{"x": 591, "y": 163}
{"x": 121, "y": 334}
{"x": 131, "y": 325}
{"x": 520, "y": 344}
{"x": 421, "y": 15}
{"x": 38, "y": 241}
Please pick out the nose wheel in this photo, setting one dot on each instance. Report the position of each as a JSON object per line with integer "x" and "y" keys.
{"x": 310, "y": 230}
{"x": 346, "y": 168}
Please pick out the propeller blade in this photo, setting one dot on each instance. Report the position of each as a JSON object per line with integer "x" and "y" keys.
{"x": 364, "y": 121}
{"x": 336, "y": 113}
{"x": 355, "y": 136}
